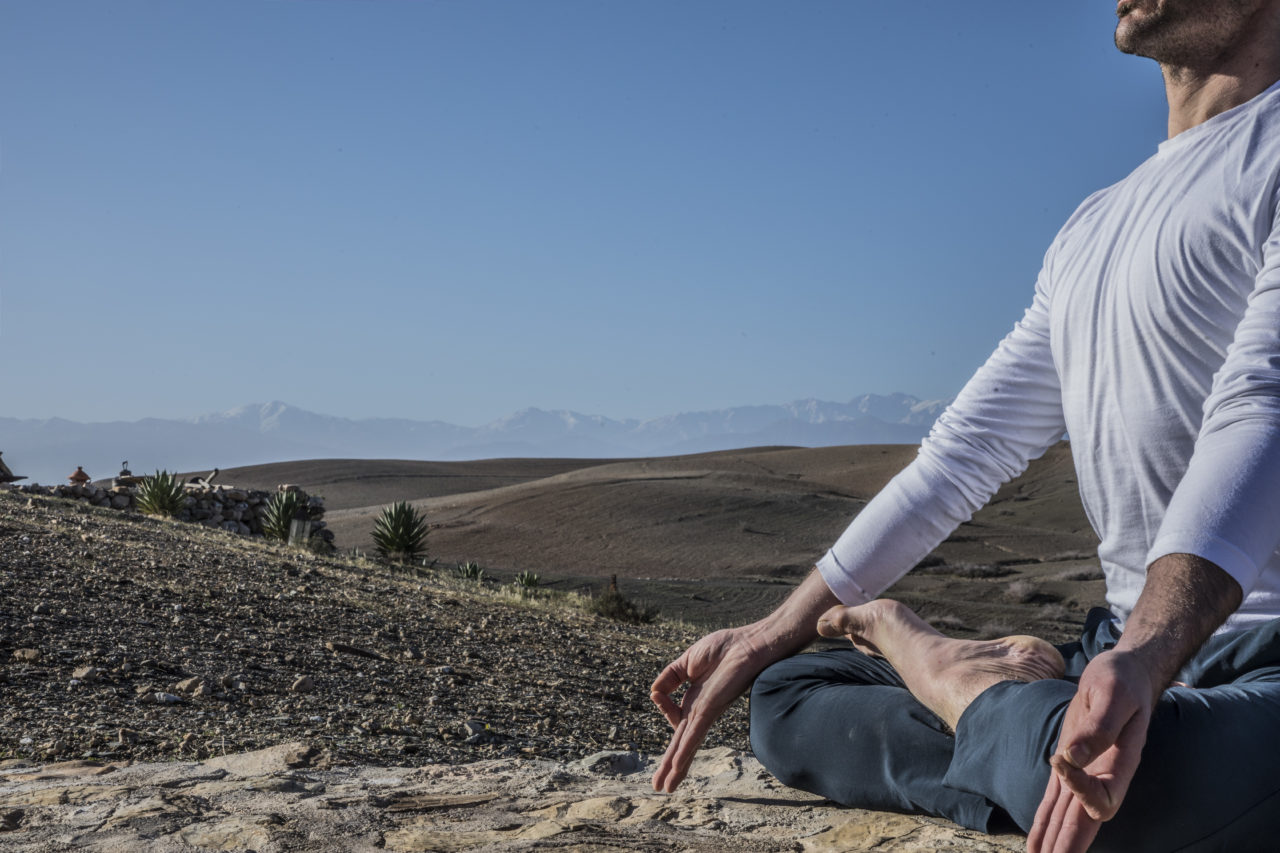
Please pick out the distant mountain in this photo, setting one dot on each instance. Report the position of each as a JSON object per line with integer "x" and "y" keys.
{"x": 49, "y": 450}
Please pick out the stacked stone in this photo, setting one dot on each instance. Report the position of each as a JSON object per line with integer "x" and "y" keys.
{"x": 114, "y": 497}
{"x": 236, "y": 510}
{"x": 242, "y": 510}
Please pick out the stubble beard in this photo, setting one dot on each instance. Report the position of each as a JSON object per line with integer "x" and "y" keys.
{"x": 1179, "y": 32}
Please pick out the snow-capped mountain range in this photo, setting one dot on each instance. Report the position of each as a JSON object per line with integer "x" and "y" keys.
{"x": 48, "y": 450}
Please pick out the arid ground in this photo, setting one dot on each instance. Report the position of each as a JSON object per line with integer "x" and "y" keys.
{"x": 412, "y": 710}
{"x": 720, "y": 538}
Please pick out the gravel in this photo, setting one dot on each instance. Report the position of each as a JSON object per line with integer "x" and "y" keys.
{"x": 123, "y": 636}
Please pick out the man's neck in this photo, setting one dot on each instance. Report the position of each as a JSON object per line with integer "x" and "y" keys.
{"x": 1197, "y": 94}
{"x": 1197, "y": 100}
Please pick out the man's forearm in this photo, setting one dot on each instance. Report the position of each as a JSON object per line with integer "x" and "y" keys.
{"x": 794, "y": 624}
{"x": 1184, "y": 600}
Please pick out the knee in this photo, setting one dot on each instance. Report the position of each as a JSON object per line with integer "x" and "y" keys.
{"x": 772, "y": 695}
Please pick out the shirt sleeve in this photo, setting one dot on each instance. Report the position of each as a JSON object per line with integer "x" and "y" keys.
{"x": 1009, "y": 413}
{"x": 1226, "y": 508}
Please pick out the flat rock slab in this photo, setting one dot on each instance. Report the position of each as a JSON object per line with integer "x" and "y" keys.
{"x": 287, "y": 799}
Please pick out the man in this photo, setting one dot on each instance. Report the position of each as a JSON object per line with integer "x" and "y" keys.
{"x": 1154, "y": 341}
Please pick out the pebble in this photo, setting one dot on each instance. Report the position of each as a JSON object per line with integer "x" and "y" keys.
{"x": 26, "y": 655}
{"x": 303, "y": 684}
{"x": 189, "y": 685}
{"x": 87, "y": 673}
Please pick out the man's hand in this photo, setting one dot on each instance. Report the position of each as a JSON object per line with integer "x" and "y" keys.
{"x": 1098, "y": 752}
{"x": 718, "y": 669}
{"x": 721, "y": 666}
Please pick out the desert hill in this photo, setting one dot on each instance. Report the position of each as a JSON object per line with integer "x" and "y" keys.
{"x": 712, "y": 537}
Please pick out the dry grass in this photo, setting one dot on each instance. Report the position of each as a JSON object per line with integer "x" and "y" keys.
{"x": 971, "y": 571}
{"x": 995, "y": 630}
{"x": 1021, "y": 591}
{"x": 1055, "y": 613}
{"x": 1090, "y": 574}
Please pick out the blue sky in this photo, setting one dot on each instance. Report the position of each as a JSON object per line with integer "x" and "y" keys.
{"x": 453, "y": 210}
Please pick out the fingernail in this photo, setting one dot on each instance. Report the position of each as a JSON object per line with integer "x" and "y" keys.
{"x": 1077, "y": 755}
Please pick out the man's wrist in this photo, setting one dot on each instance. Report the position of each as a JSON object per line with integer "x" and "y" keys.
{"x": 1185, "y": 598}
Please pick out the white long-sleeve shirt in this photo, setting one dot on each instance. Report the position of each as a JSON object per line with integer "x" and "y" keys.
{"x": 1154, "y": 341}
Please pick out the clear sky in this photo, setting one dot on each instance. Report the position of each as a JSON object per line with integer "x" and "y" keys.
{"x": 454, "y": 209}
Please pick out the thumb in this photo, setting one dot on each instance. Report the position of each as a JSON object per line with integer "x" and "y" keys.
{"x": 1095, "y": 728}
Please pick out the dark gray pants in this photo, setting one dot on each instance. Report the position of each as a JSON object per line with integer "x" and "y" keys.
{"x": 841, "y": 724}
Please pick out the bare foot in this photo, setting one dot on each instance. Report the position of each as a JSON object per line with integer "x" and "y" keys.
{"x": 945, "y": 675}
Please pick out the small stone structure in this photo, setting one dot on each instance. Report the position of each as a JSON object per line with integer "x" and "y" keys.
{"x": 232, "y": 509}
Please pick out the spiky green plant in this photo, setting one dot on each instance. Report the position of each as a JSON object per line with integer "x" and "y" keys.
{"x": 281, "y": 510}
{"x": 161, "y": 494}
{"x": 400, "y": 532}
{"x": 470, "y": 571}
{"x": 528, "y": 579}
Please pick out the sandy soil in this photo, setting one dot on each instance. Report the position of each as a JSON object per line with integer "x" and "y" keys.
{"x": 719, "y": 538}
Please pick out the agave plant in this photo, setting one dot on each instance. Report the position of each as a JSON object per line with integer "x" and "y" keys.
{"x": 281, "y": 510}
{"x": 469, "y": 571}
{"x": 400, "y": 532}
{"x": 527, "y": 579}
{"x": 161, "y": 494}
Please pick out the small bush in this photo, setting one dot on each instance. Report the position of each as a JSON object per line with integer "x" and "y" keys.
{"x": 612, "y": 604}
{"x": 400, "y": 532}
{"x": 527, "y": 579}
{"x": 1082, "y": 575}
{"x": 161, "y": 494}
{"x": 1021, "y": 592}
{"x": 995, "y": 630}
{"x": 278, "y": 517}
{"x": 972, "y": 571}
{"x": 469, "y": 571}
{"x": 1054, "y": 613}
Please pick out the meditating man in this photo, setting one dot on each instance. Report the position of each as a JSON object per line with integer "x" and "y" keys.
{"x": 1153, "y": 340}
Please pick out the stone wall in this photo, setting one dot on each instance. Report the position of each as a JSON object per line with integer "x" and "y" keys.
{"x": 232, "y": 509}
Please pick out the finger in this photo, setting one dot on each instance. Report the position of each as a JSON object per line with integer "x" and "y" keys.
{"x": 668, "y": 772}
{"x": 670, "y": 679}
{"x": 668, "y": 707}
{"x": 1054, "y": 835}
{"x": 664, "y": 764}
{"x": 1077, "y": 829}
{"x": 1094, "y": 796}
{"x": 1044, "y": 814}
{"x": 667, "y": 682}
{"x": 684, "y": 747}
{"x": 1094, "y": 727}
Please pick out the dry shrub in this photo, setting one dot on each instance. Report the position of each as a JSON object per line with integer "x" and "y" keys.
{"x": 973, "y": 571}
{"x": 1021, "y": 592}
{"x": 1093, "y": 574}
{"x": 1055, "y": 613}
{"x": 994, "y": 630}
{"x": 612, "y": 604}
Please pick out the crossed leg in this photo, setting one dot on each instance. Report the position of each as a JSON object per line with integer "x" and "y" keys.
{"x": 943, "y": 674}
{"x": 925, "y": 735}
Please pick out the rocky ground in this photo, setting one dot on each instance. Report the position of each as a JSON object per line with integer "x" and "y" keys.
{"x": 289, "y": 798}
{"x": 143, "y": 662}
{"x": 128, "y": 637}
